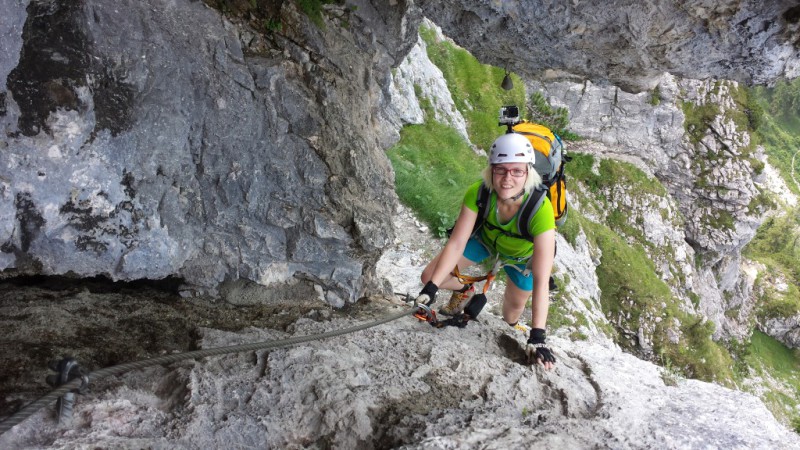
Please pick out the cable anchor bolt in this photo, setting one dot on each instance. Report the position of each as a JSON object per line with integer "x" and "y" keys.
{"x": 66, "y": 369}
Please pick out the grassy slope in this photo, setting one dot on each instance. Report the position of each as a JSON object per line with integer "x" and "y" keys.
{"x": 433, "y": 164}
{"x": 777, "y": 246}
{"x": 475, "y": 88}
{"x": 632, "y": 293}
{"x": 777, "y": 242}
{"x": 779, "y": 367}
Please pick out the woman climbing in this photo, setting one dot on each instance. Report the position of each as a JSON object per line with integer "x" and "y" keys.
{"x": 510, "y": 178}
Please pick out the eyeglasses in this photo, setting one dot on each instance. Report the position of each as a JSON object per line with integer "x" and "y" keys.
{"x": 502, "y": 171}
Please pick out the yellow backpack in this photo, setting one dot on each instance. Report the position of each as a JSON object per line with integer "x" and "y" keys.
{"x": 550, "y": 159}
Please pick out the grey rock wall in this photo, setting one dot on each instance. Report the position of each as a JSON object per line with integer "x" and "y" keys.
{"x": 152, "y": 140}
{"x": 147, "y": 140}
{"x": 628, "y": 43}
{"x": 785, "y": 329}
{"x": 711, "y": 182}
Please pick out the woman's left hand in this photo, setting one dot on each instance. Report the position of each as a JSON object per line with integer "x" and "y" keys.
{"x": 541, "y": 355}
{"x": 537, "y": 351}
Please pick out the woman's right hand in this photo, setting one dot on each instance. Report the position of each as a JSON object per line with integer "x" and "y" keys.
{"x": 428, "y": 294}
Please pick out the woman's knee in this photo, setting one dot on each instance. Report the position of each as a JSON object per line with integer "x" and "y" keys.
{"x": 516, "y": 297}
{"x": 426, "y": 275}
{"x": 427, "y": 272}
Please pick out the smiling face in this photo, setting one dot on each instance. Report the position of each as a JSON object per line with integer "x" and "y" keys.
{"x": 509, "y": 179}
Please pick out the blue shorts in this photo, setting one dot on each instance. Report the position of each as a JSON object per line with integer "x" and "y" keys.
{"x": 477, "y": 252}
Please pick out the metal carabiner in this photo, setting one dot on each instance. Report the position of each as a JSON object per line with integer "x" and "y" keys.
{"x": 424, "y": 313}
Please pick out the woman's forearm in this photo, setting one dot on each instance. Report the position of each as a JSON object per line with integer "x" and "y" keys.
{"x": 540, "y": 303}
{"x": 447, "y": 262}
{"x": 544, "y": 246}
{"x": 453, "y": 250}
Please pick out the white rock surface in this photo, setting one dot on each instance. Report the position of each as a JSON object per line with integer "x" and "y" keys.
{"x": 416, "y": 78}
{"x": 408, "y": 385}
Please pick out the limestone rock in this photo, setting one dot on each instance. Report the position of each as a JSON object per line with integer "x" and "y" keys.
{"x": 140, "y": 154}
{"x": 784, "y": 329}
{"x": 417, "y": 78}
{"x": 130, "y": 151}
{"x": 629, "y": 44}
{"x": 408, "y": 385}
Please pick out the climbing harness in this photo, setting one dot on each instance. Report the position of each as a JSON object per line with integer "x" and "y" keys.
{"x": 72, "y": 379}
{"x": 424, "y": 313}
{"x": 489, "y": 277}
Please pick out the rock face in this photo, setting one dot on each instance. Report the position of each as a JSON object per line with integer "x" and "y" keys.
{"x": 144, "y": 139}
{"x": 414, "y": 79}
{"x": 710, "y": 173}
{"x": 152, "y": 140}
{"x": 408, "y": 385}
{"x": 129, "y": 150}
{"x": 786, "y": 330}
{"x": 629, "y": 44}
{"x": 404, "y": 384}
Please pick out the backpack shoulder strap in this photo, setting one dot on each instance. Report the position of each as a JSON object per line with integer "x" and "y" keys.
{"x": 484, "y": 197}
{"x": 528, "y": 210}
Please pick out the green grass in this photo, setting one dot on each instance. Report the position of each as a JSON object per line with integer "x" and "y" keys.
{"x": 782, "y": 140}
{"x": 781, "y": 360}
{"x": 632, "y": 295}
{"x": 475, "y": 88}
{"x": 612, "y": 173}
{"x": 698, "y": 119}
{"x": 780, "y": 135}
{"x": 433, "y": 168}
{"x": 265, "y": 14}
{"x": 778, "y": 242}
{"x": 770, "y": 358}
{"x": 313, "y": 9}
{"x": 655, "y": 96}
{"x": 777, "y": 246}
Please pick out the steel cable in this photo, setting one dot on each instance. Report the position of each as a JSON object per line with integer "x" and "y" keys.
{"x": 32, "y": 408}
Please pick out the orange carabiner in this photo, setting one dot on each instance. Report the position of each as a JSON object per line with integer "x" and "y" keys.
{"x": 425, "y": 314}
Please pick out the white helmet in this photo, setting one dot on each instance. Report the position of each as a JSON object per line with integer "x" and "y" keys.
{"x": 511, "y": 148}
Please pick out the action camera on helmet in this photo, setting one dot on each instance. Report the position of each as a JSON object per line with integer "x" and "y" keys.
{"x": 509, "y": 115}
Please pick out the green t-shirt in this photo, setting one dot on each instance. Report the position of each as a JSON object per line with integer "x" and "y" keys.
{"x": 513, "y": 247}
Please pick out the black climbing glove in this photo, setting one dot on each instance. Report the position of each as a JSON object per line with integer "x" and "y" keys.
{"x": 428, "y": 294}
{"x": 536, "y": 349}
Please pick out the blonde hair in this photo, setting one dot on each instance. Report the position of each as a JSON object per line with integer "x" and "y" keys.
{"x": 533, "y": 180}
